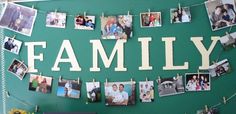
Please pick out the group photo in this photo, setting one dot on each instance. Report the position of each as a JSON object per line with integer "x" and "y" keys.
{"x": 180, "y": 15}
{"x": 146, "y": 91}
{"x": 42, "y": 84}
{"x": 197, "y": 82}
{"x": 18, "y": 68}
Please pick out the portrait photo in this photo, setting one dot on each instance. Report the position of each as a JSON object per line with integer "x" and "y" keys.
{"x": 40, "y": 83}
{"x": 93, "y": 91}
{"x": 12, "y": 45}
{"x": 210, "y": 111}
{"x": 220, "y": 68}
{"x": 197, "y": 82}
{"x": 56, "y": 20}
{"x": 170, "y": 86}
{"x": 117, "y": 27}
{"x": 85, "y": 22}
{"x": 18, "y": 18}
{"x": 228, "y": 41}
{"x": 181, "y": 15}
{"x": 18, "y": 68}
{"x": 146, "y": 91}
{"x": 69, "y": 88}
{"x": 221, "y": 13}
{"x": 119, "y": 93}
{"x": 150, "y": 19}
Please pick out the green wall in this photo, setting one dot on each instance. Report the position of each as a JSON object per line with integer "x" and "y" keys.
{"x": 184, "y": 50}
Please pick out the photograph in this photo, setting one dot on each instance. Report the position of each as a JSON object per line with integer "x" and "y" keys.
{"x": 221, "y": 13}
{"x": 93, "y": 91}
{"x": 228, "y": 41}
{"x": 220, "y": 68}
{"x": 146, "y": 91}
{"x": 85, "y": 22}
{"x": 211, "y": 111}
{"x": 119, "y": 93}
{"x": 150, "y": 19}
{"x": 197, "y": 82}
{"x": 18, "y": 18}
{"x": 117, "y": 27}
{"x": 18, "y": 68}
{"x": 56, "y": 20}
{"x": 40, "y": 83}
{"x": 170, "y": 86}
{"x": 12, "y": 45}
{"x": 69, "y": 88}
{"x": 180, "y": 15}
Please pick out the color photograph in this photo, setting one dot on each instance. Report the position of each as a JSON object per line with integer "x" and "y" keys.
{"x": 228, "y": 41}
{"x": 85, "y": 22}
{"x": 93, "y": 91}
{"x": 150, "y": 19}
{"x": 197, "y": 82}
{"x": 69, "y": 88}
{"x": 40, "y": 83}
{"x": 12, "y": 45}
{"x": 56, "y": 20}
{"x": 220, "y": 68}
{"x": 182, "y": 15}
{"x": 18, "y": 68}
{"x": 211, "y": 111}
{"x": 146, "y": 91}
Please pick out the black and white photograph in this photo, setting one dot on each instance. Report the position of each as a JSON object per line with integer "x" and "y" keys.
{"x": 180, "y": 15}
{"x": 69, "y": 88}
{"x": 42, "y": 84}
{"x": 85, "y": 22}
{"x": 93, "y": 91}
{"x": 146, "y": 91}
{"x": 18, "y": 68}
{"x": 119, "y": 93}
{"x": 56, "y": 20}
{"x": 210, "y": 111}
{"x": 12, "y": 45}
{"x": 18, "y": 18}
{"x": 228, "y": 41}
{"x": 170, "y": 86}
{"x": 197, "y": 82}
{"x": 150, "y": 19}
{"x": 221, "y": 13}
{"x": 220, "y": 68}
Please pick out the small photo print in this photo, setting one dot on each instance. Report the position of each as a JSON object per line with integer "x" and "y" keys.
{"x": 69, "y": 88}
{"x": 146, "y": 91}
{"x": 41, "y": 84}
{"x": 211, "y": 111}
{"x": 18, "y": 18}
{"x": 18, "y": 68}
{"x": 56, "y": 20}
{"x": 93, "y": 91}
{"x": 182, "y": 15}
{"x": 117, "y": 27}
{"x": 220, "y": 68}
{"x": 197, "y": 82}
{"x": 150, "y": 19}
{"x": 12, "y": 45}
{"x": 228, "y": 41}
{"x": 221, "y": 13}
{"x": 85, "y": 22}
{"x": 170, "y": 86}
{"x": 119, "y": 93}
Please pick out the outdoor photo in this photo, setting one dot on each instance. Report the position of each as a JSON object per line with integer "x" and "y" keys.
{"x": 228, "y": 41}
{"x": 85, "y": 22}
{"x": 56, "y": 20}
{"x": 93, "y": 91}
{"x": 150, "y": 19}
{"x": 40, "y": 83}
{"x": 69, "y": 88}
{"x": 197, "y": 82}
{"x": 220, "y": 68}
{"x": 18, "y": 68}
{"x": 146, "y": 91}
{"x": 182, "y": 15}
{"x": 12, "y": 45}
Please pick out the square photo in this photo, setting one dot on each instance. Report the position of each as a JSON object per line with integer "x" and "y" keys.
{"x": 119, "y": 93}
{"x": 150, "y": 19}
{"x": 93, "y": 91}
{"x": 56, "y": 20}
{"x": 69, "y": 88}
{"x": 18, "y": 68}
{"x": 197, "y": 82}
{"x": 146, "y": 91}
{"x": 182, "y": 15}
{"x": 220, "y": 68}
{"x": 211, "y": 111}
{"x": 85, "y": 22}
{"x": 117, "y": 27}
{"x": 40, "y": 83}
{"x": 12, "y": 45}
{"x": 221, "y": 13}
{"x": 170, "y": 86}
{"x": 18, "y": 18}
{"x": 228, "y": 41}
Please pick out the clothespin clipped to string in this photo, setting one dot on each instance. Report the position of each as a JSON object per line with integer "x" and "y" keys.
{"x": 32, "y": 7}
{"x": 102, "y": 15}
{"x": 177, "y": 76}
{"x": 131, "y": 80}
{"x": 84, "y": 14}
{"x": 128, "y": 13}
{"x": 78, "y": 80}
{"x": 36, "y": 108}
{"x": 93, "y": 81}
{"x": 179, "y": 6}
{"x": 146, "y": 80}
{"x": 149, "y": 12}
{"x": 198, "y": 73}
{"x": 206, "y": 108}
{"x": 224, "y": 100}
{"x": 60, "y": 78}
{"x": 106, "y": 82}
{"x": 13, "y": 37}
{"x": 158, "y": 79}
{"x": 55, "y": 11}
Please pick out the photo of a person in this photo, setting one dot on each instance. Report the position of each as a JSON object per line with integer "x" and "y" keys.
{"x": 197, "y": 82}
{"x": 18, "y": 68}
{"x": 228, "y": 41}
{"x": 12, "y": 45}
{"x": 56, "y": 20}
{"x": 210, "y": 111}
{"x": 220, "y": 68}
{"x": 40, "y": 83}
{"x": 84, "y": 22}
{"x": 181, "y": 15}
{"x": 93, "y": 91}
{"x": 150, "y": 19}
{"x": 146, "y": 91}
{"x": 69, "y": 88}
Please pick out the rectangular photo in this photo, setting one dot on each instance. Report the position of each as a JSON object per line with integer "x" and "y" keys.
{"x": 228, "y": 41}
{"x": 18, "y": 68}
{"x": 220, "y": 68}
{"x": 40, "y": 83}
{"x": 221, "y": 13}
{"x": 146, "y": 91}
{"x": 69, "y": 88}
{"x": 211, "y": 111}
{"x": 150, "y": 19}
{"x": 197, "y": 82}
{"x": 84, "y": 22}
{"x": 117, "y": 27}
{"x": 18, "y": 18}
{"x": 93, "y": 91}
{"x": 119, "y": 93}
{"x": 12, "y": 45}
{"x": 56, "y": 20}
{"x": 182, "y": 15}
{"x": 170, "y": 86}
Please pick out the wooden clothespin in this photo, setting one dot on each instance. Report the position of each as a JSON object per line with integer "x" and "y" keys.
{"x": 149, "y": 12}
{"x": 128, "y": 13}
{"x": 198, "y": 73}
{"x": 60, "y": 78}
{"x": 32, "y": 7}
{"x": 224, "y": 100}
{"x": 106, "y": 82}
{"x": 93, "y": 81}
{"x": 84, "y": 14}
{"x": 158, "y": 79}
{"x": 36, "y": 108}
{"x": 55, "y": 11}
{"x": 13, "y": 37}
{"x": 179, "y": 6}
{"x": 206, "y": 108}
{"x": 102, "y": 14}
{"x": 177, "y": 76}
{"x": 131, "y": 80}
{"x": 146, "y": 80}
{"x": 78, "y": 80}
